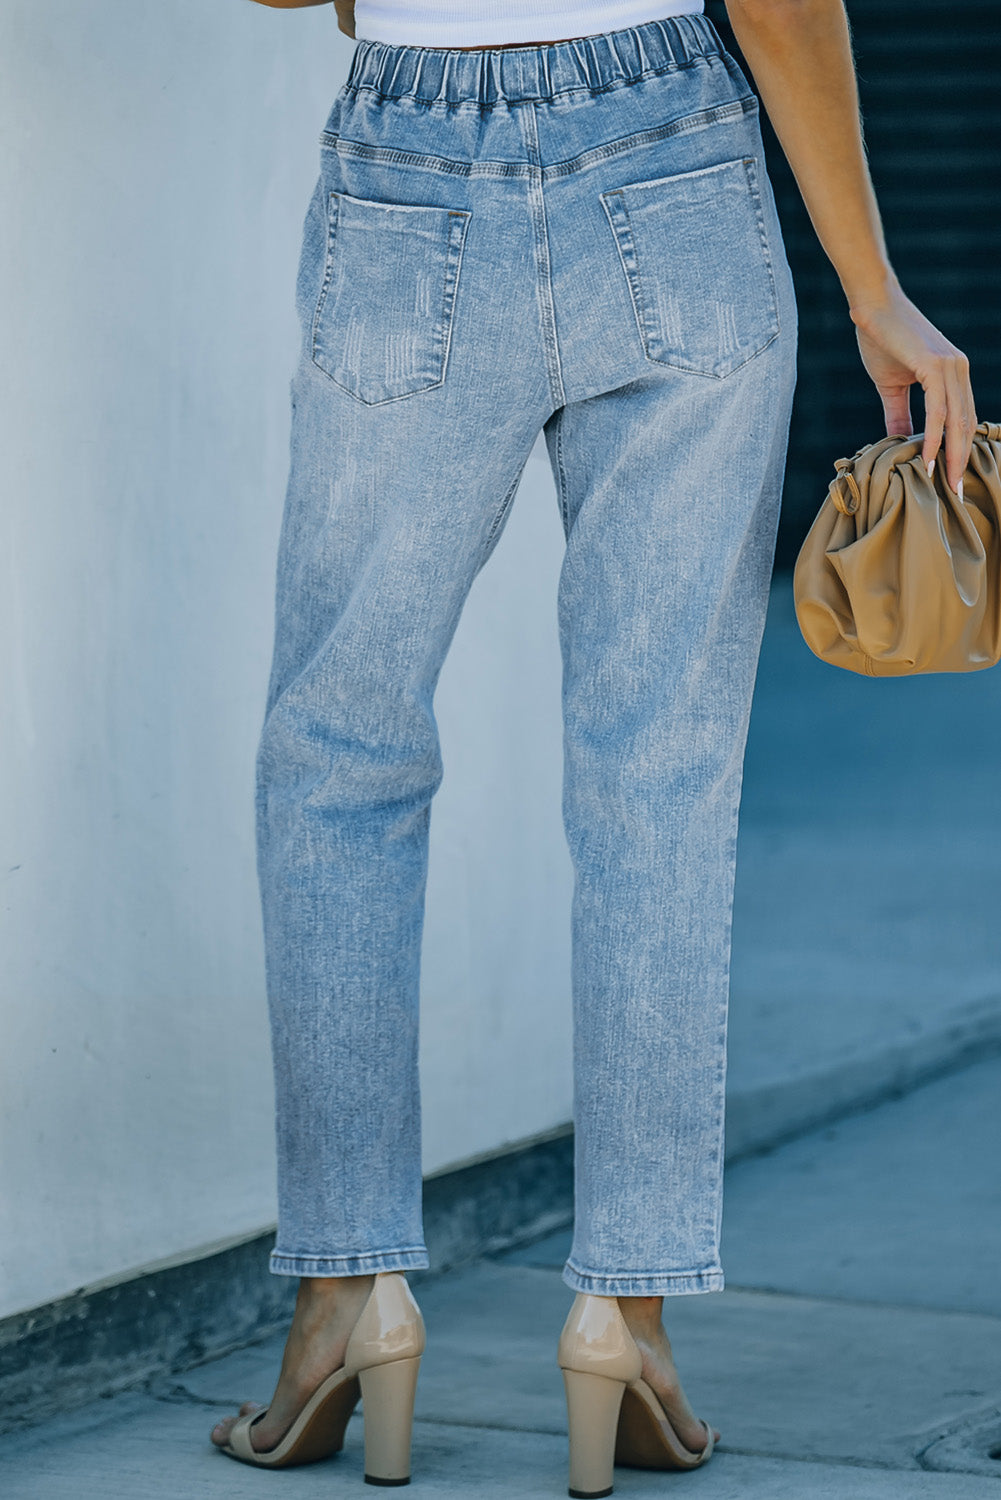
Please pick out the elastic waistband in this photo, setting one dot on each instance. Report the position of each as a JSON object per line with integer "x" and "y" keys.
{"x": 592, "y": 64}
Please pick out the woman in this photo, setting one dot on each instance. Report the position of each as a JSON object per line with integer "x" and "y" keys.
{"x": 557, "y": 218}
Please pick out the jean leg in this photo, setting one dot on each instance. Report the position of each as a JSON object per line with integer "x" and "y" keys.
{"x": 391, "y": 511}
{"x": 670, "y": 488}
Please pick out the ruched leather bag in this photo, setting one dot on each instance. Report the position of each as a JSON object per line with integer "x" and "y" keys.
{"x": 897, "y": 574}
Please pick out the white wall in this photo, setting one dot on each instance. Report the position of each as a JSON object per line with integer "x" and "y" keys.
{"x": 158, "y": 160}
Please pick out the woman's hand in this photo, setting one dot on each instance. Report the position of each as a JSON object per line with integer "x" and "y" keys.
{"x": 900, "y": 348}
{"x": 800, "y": 54}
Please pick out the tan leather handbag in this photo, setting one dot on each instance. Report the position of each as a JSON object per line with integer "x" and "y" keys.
{"x": 899, "y": 575}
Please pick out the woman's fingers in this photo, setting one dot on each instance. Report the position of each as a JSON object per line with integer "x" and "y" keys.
{"x": 935, "y": 415}
{"x": 899, "y": 348}
{"x": 961, "y": 419}
{"x": 950, "y": 417}
{"x": 897, "y": 410}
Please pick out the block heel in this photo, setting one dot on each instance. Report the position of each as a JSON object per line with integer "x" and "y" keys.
{"x": 593, "y": 1405}
{"x": 387, "y": 1400}
{"x": 380, "y": 1366}
{"x": 613, "y": 1416}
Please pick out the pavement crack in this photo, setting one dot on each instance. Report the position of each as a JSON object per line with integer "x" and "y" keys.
{"x": 475, "y": 1424}
{"x": 175, "y": 1394}
{"x": 831, "y": 1460}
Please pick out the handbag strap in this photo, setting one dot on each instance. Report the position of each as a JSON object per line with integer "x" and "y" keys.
{"x": 844, "y": 488}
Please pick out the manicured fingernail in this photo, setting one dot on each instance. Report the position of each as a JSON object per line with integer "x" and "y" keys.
{"x": 959, "y": 489}
{"x": 931, "y": 467}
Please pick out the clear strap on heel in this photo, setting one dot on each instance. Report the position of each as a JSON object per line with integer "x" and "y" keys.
{"x": 388, "y": 1392}
{"x": 593, "y": 1405}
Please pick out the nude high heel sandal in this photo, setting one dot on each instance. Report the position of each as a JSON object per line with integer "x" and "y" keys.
{"x": 614, "y": 1417}
{"x": 380, "y": 1366}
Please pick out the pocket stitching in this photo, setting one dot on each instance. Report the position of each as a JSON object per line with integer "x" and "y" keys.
{"x": 453, "y": 265}
{"x": 458, "y": 225}
{"x": 626, "y": 242}
{"x": 333, "y": 219}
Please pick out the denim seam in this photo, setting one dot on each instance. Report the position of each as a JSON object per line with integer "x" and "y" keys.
{"x": 646, "y": 1272}
{"x": 501, "y": 513}
{"x": 543, "y": 258}
{"x": 457, "y": 229}
{"x": 561, "y": 479}
{"x": 350, "y": 1254}
{"x": 333, "y": 213}
{"x": 751, "y": 167}
{"x": 717, "y": 114}
{"x": 712, "y": 1226}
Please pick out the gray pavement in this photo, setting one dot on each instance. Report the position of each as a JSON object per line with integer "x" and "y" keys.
{"x": 856, "y": 1352}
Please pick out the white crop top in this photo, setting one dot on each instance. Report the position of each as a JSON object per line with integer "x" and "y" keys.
{"x": 469, "y": 23}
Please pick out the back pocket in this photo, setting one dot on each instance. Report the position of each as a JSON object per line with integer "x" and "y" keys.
{"x": 383, "y": 319}
{"x": 696, "y": 260}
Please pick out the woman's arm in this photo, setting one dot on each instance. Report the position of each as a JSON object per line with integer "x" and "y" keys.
{"x": 800, "y": 54}
{"x": 345, "y": 11}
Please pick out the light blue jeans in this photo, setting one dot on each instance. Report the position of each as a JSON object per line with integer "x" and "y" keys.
{"x": 577, "y": 238}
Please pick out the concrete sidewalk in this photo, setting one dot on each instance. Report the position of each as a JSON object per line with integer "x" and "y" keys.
{"x": 856, "y": 1354}
{"x": 866, "y": 939}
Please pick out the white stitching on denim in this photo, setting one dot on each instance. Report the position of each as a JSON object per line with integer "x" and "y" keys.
{"x": 454, "y": 247}
{"x": 561, "y": 479}
{"x": 701, "y": 118}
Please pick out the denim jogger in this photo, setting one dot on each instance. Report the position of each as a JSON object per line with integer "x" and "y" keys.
{"x": 577, "y": 238}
